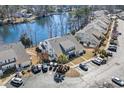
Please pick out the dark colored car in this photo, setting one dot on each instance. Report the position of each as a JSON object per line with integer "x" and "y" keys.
{"x": 110, "y": 54}
{"x": 16, "y": 82}
{"x": 113, "y": 46}
{"x": 113, "y": 43}
{"x": 113, "y": 49}
{"x": 118, "y": 81}
{"x": 44, "y": 68}
{"x": 119, "y": 33}
{"x": 103, "y": 61}
{"x": 58, "y": 77}
{"x": 83, "y": 67}
{"x": 54, "y": 69}
{"x": 35, "y": 69}
{"x": 50, "y": 68}
{"x": 96, "y": 62}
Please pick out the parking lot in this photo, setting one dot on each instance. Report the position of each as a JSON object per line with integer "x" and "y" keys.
{"x": 96, "y": 76}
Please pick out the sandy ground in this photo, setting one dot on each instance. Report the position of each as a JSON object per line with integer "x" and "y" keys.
{"x": 33, "y": 54}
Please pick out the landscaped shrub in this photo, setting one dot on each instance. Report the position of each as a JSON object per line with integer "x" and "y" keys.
{"x": 63, "y": 59}
{"x": 23, "y": 72}
{"x": 102, "y": 56}
{"x": 103, "y": 53}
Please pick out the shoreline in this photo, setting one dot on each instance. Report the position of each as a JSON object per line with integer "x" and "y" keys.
{"x": 25, "y": 20}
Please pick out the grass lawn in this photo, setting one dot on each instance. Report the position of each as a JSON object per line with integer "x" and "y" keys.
{"x": 33, "y": 54}
{"x": 77, "y": 60}
{"x": 89, "y": 54}
{"x": 80, "y": 59}
{"x": 104, "y": 45}
{"x": 69, "y": 64}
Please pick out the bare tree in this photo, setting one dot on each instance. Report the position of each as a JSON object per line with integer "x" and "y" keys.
{"x": 61, "y": 19}
{"x": 50, "y": 28}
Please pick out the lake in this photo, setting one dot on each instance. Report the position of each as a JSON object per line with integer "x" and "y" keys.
{"x": 38, "y": 30}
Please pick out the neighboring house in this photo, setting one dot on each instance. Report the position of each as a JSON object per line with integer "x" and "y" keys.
{"x": 115, "y": 11}
{"x": 100, "y": 13}
{"x": 88, "y": 40}
{"x": 23, "y": 13}
{"x": 93, "y": 27}
{"x": 13, "y": 55}
{"x": 105, "y": 19}
{"x": 92, "y": 34}
{"x": 101, "y": 23}
{"x": 57, "y": 46}
{"x": 121, "y": 15}
{"x": 90, "y": 37}
{"x": 18, "y": 15}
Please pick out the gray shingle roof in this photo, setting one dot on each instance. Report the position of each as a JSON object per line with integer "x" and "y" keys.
{"x": 14, "y": 50}
{"x": 100, "y": 23}
{"x": 121, "y": 14}
{"x": 55, "y": 43}
{"x": 88, "y": 37}
{"x": 93, "y": 31}
{"x": 104, "y": 18}
{"x": 7, "y": 54}
{"x": 67, "y": 44}
{"x": 100, "y": 13}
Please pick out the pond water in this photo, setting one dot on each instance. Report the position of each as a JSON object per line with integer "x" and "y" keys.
{"x": 38, "y": 30}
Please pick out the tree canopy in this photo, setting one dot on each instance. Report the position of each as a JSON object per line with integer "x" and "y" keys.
{"x": 25, "y": 40}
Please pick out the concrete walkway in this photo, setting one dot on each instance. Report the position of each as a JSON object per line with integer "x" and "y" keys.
{"x": 110, "y": 35}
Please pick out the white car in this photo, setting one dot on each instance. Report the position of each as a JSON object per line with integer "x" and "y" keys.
{"x": 51, "y": 63}
{"x": 16, "y": 81}
{"x": 118, "y": 81}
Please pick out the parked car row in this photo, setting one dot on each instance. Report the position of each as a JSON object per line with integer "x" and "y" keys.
{"x": 62, "y": 69}
{"x": 113, "y": 48}
{"x": 99, "y": 61}
{"x": 16, "y": 81}
{"x": 36, "y": 69}
{"x": 44, "y": 67}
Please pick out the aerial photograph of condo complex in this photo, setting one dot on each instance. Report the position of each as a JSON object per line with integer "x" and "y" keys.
{"x": 62, "y": 46}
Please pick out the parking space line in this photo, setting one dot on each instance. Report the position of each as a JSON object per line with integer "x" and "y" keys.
{"x": 72, "y": 63}
{"x": 84, "y": 58}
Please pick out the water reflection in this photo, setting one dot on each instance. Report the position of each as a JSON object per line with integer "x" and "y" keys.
{"x": 37, "y": 30}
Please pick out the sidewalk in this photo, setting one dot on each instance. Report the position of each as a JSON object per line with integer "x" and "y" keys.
{"x": 110, "y": 35}
{"x": 112, "y": 26}
{"x": 83, "y": 62}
